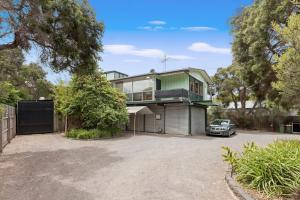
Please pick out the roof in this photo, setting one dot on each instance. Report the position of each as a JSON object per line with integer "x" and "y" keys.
{"x": 144, "y": 110}
{"x": 114, "y": 71}
{"x": 203, "y": 73}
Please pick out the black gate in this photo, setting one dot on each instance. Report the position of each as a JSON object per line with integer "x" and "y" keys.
{"x": 35, "y": 117}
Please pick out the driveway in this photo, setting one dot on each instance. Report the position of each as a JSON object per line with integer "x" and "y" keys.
{"x": 144, "y": 167}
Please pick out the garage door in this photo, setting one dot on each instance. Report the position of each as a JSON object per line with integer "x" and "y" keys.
{"x": 177, "y": 119}
{"x": 198, "y": 121}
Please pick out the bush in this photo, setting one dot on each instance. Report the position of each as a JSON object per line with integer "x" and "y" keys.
{"x": 92, "y": 100}
{"x": 93, "y": 133}
{"x": 273, "y": 170}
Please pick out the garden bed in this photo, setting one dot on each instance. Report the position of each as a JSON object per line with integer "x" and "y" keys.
{"x": 93, "y": 134}
{"x": 270, "y": 172}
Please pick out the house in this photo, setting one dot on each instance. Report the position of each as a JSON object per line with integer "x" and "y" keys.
{"x": 173, "y": 102}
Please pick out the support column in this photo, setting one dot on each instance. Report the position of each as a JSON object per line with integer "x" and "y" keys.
{"x": 190, "y": 120}
{"x": 1, "y": 115}
{"x": 164, "y": 119}
{"x": 205, "y": 111}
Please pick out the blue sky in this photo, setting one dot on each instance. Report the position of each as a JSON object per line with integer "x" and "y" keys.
{"x": 138, "y": 33}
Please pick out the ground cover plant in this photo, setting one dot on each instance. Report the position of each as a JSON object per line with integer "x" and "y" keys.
{"x": 93, "y": 133}
{"x": 273, "y": 170}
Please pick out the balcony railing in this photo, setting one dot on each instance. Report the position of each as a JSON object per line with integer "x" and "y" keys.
{"x": 180, "y": 94}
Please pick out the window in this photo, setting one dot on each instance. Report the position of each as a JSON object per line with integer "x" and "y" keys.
{"x": 137, "y": 96}
{"x": 127, "y": 87}
{"x": 143, "y": 85}
{"x": 196, "y": 86}
{"x": 119, "y": 85}
{"x": 147, "y": 96}
{"x": 158, "y": 116}
{"x": 137, "y": 90}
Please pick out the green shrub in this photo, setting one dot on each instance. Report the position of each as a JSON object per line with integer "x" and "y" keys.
{"x": 273, "y": 170}
{"x": 93, "y": 133}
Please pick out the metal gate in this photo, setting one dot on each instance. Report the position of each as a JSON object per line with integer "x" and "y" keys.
{"x": 35, "y": 117}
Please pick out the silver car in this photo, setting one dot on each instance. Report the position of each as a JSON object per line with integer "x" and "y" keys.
{"x": 222, "y": 127}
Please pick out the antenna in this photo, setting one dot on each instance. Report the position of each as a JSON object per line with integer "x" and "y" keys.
{"x": 164, "y": 60}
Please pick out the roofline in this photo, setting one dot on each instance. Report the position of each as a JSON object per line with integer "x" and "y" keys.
{"x": 203, "y": 72}
{"x": 155, "y": 73}
{"x": 114, "y": 71}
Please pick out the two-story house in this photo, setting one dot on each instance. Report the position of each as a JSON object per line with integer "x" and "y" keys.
{"x": 177, "y": 100}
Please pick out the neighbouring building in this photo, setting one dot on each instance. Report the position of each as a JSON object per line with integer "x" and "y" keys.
{"x": 176, "y": 101}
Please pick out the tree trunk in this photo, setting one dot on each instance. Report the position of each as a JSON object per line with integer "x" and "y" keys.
{"x": 66, "y": 124}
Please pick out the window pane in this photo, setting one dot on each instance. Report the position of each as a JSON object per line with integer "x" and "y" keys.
{"x": 137, "y": 96}
{"x": 127, "y": 87}
{"x": 129, "y": 97}
{"x": 143, "y": 85}
{"x": 119, "y": 85}
{"x": 147, "y": 96}
{"x": 196, "y": 88}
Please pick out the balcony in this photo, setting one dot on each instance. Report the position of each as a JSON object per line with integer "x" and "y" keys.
{"x": 177, "y": 94}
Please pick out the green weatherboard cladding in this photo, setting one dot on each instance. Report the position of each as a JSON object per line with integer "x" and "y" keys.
{"x": 175, "y": 81}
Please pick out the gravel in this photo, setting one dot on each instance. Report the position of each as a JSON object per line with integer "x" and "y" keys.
{"x": 148, "y": 167}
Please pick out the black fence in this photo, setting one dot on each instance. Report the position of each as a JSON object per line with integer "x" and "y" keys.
{"x": 35, "y": 117}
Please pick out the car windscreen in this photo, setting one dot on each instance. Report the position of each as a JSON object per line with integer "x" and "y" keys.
{"x": 220, "y": 122}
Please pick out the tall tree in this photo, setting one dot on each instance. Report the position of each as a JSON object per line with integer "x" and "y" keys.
{"x": 33, "y": 83}
{"x": 230, "y": 86}
{"x": 256, "y": 43}
{"x": 66, "y": 32}
{"x": 287, "y": 67}
{"x": 10, "y": 63}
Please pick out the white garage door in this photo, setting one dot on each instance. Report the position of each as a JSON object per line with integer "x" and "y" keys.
{"x": 177, "y": 119}
{"x": 198, "y": 121}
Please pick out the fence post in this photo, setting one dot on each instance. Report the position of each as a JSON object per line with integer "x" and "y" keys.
{"x": 1, "y": 121}
{"x": 8, "y": 125}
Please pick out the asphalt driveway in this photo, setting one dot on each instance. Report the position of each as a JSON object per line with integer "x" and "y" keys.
{"x": 144, "y": 167}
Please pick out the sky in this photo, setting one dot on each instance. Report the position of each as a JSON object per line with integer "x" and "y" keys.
{"x": 140, "y": 33}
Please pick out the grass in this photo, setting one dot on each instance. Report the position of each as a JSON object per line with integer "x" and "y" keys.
{"x": 273, "y": 170}
{"x": 93, "y": 133}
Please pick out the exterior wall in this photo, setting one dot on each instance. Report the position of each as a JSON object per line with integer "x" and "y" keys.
{"x": 152, "y": 124}
{"x": 177, "y": 119}
{"x": 198, "y": 76}
{"x": 176, "y": 81}
{"x": 139, "y": 123}
{"x": 197, "y": 121}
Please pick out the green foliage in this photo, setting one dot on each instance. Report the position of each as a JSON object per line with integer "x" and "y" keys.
{"x": 62, "y": 98}
{"x": 98, "y": 104}
{"x": 287, "y": 67}
{"x": 9, "y": 95}
{"x": 230, "y": 86}
{"x": 255, "y": 43}
{"x": 93, "y": 100}
{"x": 66, "y": 32}
{"x": 273, "y": 170}
{"x": 29, "y": 79}
{"x": 93, "y": 133}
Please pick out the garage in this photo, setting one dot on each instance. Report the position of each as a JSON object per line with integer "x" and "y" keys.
{"x": 177, "y": 119}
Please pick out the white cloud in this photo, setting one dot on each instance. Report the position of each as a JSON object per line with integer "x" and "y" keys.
{"x": 179, "y": 57}
{"x": 150, "y": 28}
{"x": 198, "y": 28}
{"x": 157, "y": 22}
{"x": 204, "y": 47}
{"x": 124, "y": 49}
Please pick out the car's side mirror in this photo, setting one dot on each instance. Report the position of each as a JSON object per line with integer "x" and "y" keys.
{"x": 232, "y": 124}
